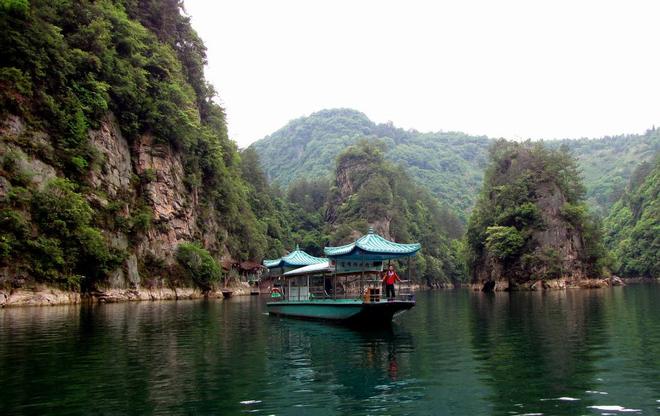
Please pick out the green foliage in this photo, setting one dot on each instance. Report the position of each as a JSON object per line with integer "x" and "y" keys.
{"x": 50, "y": 232}
{"x": 633, "y": 225}
{"x": 607, "y": 164}
{"x": 575, "y": 214}
{"x": 14, "y": 229}
{"x": 504, "y": 242}
{"x": 15, "y": 90}
{"x": 149, "y": 175}
{"x": 18, "y": 7}
{"x": 527, "y": 214}
{"x": 309, "y": 195}
{"x": 59, "y": 209}
{"x": 68, "y": 246}
{"x": 12, "y": 169}
{"x": 543, "y": 264}
{"x": 198, "y": 264}
{"x": 79, "y": 163}
{"x": 142, "y": 220}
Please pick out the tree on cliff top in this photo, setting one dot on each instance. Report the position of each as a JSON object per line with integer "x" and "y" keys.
{"x": 530, "y": 218}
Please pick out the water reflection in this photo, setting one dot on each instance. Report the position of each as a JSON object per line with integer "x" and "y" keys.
{"x": 540, "y": 352}
{"x": 332, "y": 367}
{"x": 456, "y": 352}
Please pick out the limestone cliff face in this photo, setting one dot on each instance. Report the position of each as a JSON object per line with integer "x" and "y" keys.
{"x": 142, "y": 176}
{"x": 350, "y": 177}
{"x": 542, "y": 228}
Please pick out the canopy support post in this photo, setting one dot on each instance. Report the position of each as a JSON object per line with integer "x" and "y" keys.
{"x": 361, "y": 280}
{"x": 408, "y": 271}
{"x": 334, "y": 286}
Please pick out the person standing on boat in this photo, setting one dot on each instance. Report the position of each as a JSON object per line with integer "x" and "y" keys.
{"x": 389, "y": 278}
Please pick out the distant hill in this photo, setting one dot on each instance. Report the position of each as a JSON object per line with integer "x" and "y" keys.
{"x": 450, "y": 164}
{"x": 633, "y": 226}
{"x": 608, "y": 163}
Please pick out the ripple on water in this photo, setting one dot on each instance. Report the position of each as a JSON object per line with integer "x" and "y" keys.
{"x": 614, "y": 408}
{"x": 563, "y": 399}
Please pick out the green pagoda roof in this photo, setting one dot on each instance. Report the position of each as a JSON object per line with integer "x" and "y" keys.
{"x": 372, "y": 247}
{"x": 296, "y": 258}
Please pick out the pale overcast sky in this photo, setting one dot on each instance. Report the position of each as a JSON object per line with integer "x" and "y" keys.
{"x": 514, "y": 69}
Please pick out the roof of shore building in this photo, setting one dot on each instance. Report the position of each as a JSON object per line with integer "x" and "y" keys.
{"x": 373, "y": 247}
{"x": 296, "y": 258}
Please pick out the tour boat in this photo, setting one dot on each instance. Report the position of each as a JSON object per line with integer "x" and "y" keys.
{"x": 345, "y": 286}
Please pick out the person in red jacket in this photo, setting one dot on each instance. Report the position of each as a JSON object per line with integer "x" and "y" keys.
{"x": 389, "y": 277}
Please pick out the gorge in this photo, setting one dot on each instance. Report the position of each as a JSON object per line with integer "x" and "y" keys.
{"x": 114, "y": 155}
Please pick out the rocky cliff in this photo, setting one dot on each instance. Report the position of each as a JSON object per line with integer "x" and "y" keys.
{"x": 113, "y": 154}
{"x": 145, "y": 179}
{"x": 530, "y": 223}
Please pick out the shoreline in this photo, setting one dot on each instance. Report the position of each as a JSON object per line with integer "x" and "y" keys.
{"x": 49, "y": 296}
{"x": 558, "y": 284}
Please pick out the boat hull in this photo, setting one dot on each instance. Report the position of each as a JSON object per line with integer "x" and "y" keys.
{"x": 344, "y": 311}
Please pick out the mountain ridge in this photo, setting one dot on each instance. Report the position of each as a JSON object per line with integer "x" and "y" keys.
{"x": 450, "y": 164}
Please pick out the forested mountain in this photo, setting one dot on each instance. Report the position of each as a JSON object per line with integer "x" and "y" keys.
{"x": 607, "y": 164}
{"x": 633, "y": 225}
{"x": 449, "y": 164}
{"x": 530, "y": 221}
{"x": 113, "y": 153}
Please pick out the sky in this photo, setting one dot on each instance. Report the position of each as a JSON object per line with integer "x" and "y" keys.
{"x": 512, "y": 69}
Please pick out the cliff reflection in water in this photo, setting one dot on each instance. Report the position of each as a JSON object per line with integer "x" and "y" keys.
{"x": 540, "y": 352}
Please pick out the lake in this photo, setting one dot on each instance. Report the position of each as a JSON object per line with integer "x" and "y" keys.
{"x": 457, "y": 352}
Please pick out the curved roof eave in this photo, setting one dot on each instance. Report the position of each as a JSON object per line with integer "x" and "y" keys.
{"x": 374, "y": 244}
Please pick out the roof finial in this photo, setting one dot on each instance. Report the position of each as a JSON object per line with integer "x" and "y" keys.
{"x": 297, "y": 247}
{"x": 371, "y": 230}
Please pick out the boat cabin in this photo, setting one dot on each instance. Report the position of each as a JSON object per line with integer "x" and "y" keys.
{"x": 346, "y": 285}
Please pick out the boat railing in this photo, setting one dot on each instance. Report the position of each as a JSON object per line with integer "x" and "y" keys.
{"x": 405, "y": 290}
{"x": 349, "y": 287}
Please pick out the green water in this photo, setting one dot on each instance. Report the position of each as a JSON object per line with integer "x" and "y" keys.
{"x": 456, "y": 352}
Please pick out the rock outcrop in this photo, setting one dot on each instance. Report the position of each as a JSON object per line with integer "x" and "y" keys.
{"x": 351, "y": 175}
{"x": 144, "y": 176}
{"x": 530, "y": 229}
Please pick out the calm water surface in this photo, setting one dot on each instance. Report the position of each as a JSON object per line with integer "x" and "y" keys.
{"x": 457, "y": 352}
